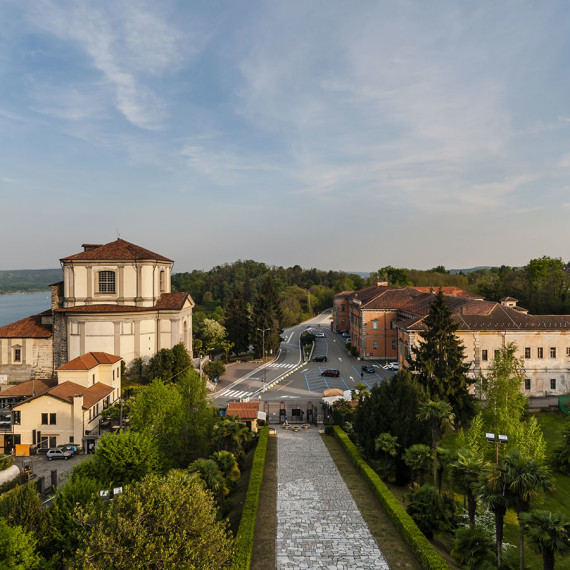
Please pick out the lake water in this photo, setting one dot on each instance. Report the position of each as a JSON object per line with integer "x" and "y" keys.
{"x": 20, "y": 305}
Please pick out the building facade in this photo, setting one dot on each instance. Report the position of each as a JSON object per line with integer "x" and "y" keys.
{"x": 386, "y": 322}
{"x": 114, "y": 298}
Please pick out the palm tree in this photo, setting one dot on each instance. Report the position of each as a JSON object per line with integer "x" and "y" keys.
{"x": 417, "y": 457}
{"x": 440, "y": 415}
{"x": 472, "y": 547}
{"x": 227, "y": 464}
{"x": 493, "y": 491}
{"x": 359, "y": 392}
{"x": 211, "y": 476}
{"x": 525, "y": 478}
{"x": 387, "y": 443}
{"x": 548, "y": 534}
{"x": 230, "y": 435}
{"x": 465, "y": 472}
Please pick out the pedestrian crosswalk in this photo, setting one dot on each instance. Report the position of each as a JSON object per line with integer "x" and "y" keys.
{"x": 280, "y": 365}
{"x": 235, "y": 394}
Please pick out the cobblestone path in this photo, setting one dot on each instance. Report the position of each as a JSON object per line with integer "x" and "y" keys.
{"x": 318, "y": 522}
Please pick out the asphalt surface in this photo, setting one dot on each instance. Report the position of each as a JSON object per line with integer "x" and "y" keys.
{"x": 289, "y": 377}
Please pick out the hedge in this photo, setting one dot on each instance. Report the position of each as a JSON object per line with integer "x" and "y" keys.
{"x": 246, "y": 530}
{"x": 420, "y": 545}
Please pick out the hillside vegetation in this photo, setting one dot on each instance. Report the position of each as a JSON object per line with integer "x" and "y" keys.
{"x": 28, "y": 280}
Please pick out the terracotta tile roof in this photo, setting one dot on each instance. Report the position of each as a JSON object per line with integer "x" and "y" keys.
{"x": 389, "y": 298}
{"x": 66, "y": 390}
{"x": 90, "y": 360}
{"x": 30, "y": 327}
{"x": 243, "y": 410}
{"x": 96, "y": 393}
{"x": 28, "y": 388}
{"x": 117, "y": 250}
{"x": 173, "y": 301}
{"x": 451, "y": 291}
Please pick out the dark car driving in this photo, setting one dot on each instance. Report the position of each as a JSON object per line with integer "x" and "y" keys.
{"x": 330, "y": 372}
{"x": 321, "y": 358}
{"x": 367, "y": 368}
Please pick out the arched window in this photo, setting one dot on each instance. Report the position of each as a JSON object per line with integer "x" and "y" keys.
{"x": 106, "y": 281}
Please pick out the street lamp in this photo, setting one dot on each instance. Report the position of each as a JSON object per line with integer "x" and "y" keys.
{"x": 490, "y": 437}
{"x": 263, "y": 331}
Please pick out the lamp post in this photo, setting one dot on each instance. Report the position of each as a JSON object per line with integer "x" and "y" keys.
{"x": 263, "y": 331}
{"x": 490, "y": 437}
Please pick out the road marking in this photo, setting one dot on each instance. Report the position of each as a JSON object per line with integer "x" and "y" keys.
{"x": 340, "y": 358}
{"x": 351, "y": 378}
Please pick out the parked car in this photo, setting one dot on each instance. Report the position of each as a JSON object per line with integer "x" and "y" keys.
{"x": 43, "y": 450}
{"x": 320, "y": 334}
{"x": 58, "y": 454}
{"x": 395, "y": 366}
{"x": 368, "y": 369}
{"x": 330, "y": 372}
{"x": 71, "y": 447}
{"x": 321, "y": 358}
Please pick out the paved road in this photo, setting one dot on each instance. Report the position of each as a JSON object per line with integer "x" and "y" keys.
{"x": 298, "y": 379}
{"x": 318, "y": 522}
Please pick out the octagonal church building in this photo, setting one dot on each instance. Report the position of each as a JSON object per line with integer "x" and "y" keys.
{"x": 114, "y": 298}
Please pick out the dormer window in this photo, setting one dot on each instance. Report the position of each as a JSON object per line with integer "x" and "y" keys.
{"x": 106, "y": 281}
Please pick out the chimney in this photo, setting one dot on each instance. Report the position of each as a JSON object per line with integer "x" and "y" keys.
{"x": 90, "y": 246}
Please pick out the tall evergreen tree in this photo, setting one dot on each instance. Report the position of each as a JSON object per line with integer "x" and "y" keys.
{"x": 266, "y": 317}
{"x": 237, "y": 321}
{"x": 438, "y": 360}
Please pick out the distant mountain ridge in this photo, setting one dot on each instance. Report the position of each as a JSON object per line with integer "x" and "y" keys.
{"x": 26, "y": 280}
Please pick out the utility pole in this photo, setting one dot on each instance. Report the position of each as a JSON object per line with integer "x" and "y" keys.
{"x": 263, "y": 331}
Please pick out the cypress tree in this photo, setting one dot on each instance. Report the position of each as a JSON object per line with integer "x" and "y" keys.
{"x": 237, "y": 321}
{"x": 266, "y": 315}
{"x": 438, "y": 360}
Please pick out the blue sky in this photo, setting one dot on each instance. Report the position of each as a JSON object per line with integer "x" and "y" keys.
{"x": 339, "y": 135}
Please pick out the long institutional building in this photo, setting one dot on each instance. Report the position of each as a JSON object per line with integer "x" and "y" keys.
{"x": 384, "y": 322}
{"x": 115, "y": 298}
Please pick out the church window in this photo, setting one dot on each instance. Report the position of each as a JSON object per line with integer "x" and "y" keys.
{"x": 106, "y": 281}
{"x": 17, "y": 354}
{"x": 162, "y": 282}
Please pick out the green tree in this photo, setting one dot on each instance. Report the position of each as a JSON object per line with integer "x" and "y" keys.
{"x": 214, "y": 369}
{"x": 342, "y": 412}
{"x": 159, "y": 522}
{"x": 211, "y": 475}
{"x": 122, "y": 458}
{"x": 472, "y": 548}
{"x": 426, "y": 513}
{"x": 181, "y": 360}
{"x": 387, "y": 443}
{"x": 359, "y": 392}
{"x": 525, "y": 479}
{"x": 238, "y": 321}
{"x": 392, "y": 407}
{"x": 17, "y": 548}
{"x": 561, "y": 455}
{"x": 231, "y": 435}
{"x": 547, "y": 534}
{"x": 63, "y": 529}
{"x": 496, "y": 494}
{"x": 465, "y": 472}
{"x": 440, "y": 417}
{"x": 438, "y": 360}
{"x": 417, "y": 457}
{"x": 266, "y": 315}
{"x": 22, "y": 507}
{"x": 228, "y": 465}
{"x": 394, "y": 276}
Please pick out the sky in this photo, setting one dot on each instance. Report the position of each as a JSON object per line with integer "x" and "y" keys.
{"x": 330, "y": 134}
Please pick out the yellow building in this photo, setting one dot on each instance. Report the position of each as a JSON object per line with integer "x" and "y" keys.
{"x": 44, "y": 415}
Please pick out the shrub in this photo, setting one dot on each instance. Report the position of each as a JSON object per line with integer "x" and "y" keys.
{"x": 246, "y": 531}
{"x": 419, "y": 544}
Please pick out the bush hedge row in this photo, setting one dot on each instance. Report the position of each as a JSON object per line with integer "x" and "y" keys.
{"x": 246, "y": 530}
{"x": 419, "y": 544}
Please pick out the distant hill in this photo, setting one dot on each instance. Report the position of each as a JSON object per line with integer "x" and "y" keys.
{"x": 26, "y": 280}
{"x": 470, "y": 270}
